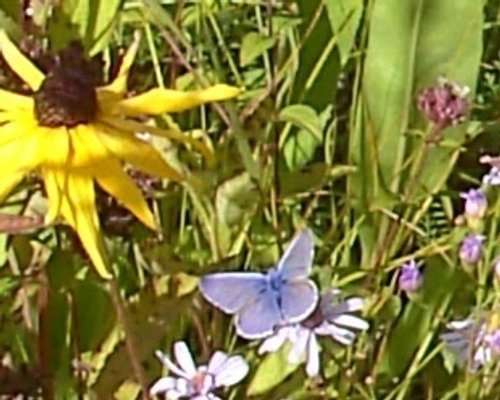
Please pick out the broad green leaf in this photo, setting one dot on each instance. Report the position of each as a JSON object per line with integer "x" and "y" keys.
{"x": 253, "y": 45}
{"x": 271, "y": 371}
{"x": 402, "y": 58}
{"x": 344, "y": 16}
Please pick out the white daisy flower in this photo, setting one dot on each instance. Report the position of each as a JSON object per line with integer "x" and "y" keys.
{"x": 198, "y": 383}
{"x": 331, "y": 318}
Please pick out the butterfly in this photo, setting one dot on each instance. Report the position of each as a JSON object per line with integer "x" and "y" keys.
{"x": 263, "y": 301}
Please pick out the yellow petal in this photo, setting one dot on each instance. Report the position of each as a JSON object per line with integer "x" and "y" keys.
{"x": 159, "y": 101}
{"x": 11, "y": 101}
{"x": 119, "y": 84}
{"x": 53, "y": 180}
{"x": 88, "y": 149}
{"x": 135, "y": 127}
{"x": 137, "y": 152}
{"x": 79, "y": 210}
{"x": 21, "y": 153}
{"x": 56, "y": 150}
{"x": 21, "y": 65}
{"x": 110, "y": 176}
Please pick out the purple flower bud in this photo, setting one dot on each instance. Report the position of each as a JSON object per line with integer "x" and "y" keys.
{"x": 475, "y": 203}
{"x": 471, "y": 248}
{"x": 410, "y": 277}
{"x": 444, "y": 104}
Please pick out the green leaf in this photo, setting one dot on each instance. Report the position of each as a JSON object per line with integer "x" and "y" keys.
{"x": 94, "y": 314}
{"x": 254, "y": 45}
{"x": 344, "y": 16}
{"x": 402, "y": 58}
{"x": 300, "y": 145}
{"x": 304, "y": 117}
{"x": 272, "y": 370}
{"x": 89, "y": 20}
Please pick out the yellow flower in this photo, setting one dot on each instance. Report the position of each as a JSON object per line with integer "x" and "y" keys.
{"x": 75, "y": 134}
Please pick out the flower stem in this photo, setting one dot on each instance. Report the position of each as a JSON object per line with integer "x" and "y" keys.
{"x": 130, "y": 339}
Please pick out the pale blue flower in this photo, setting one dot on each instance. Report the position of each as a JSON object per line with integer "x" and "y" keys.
{"x": 473, "y": 342}
{"x": 492, "y": 178}
{"x": 198, "y": 383}
{"x": 331, "y": 318}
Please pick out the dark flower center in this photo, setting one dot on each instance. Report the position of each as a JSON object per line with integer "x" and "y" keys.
{"x": 67, "y": 96}
{"x": 314, "y": 320}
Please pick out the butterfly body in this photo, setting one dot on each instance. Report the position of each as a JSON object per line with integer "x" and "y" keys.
{"x": 263, "y": 301}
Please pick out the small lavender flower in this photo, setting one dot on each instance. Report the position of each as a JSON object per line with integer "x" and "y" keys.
{"x": 476, "y": 203}
{"x": 474, "y": 342}
{"x": 471, "y": 248}
{"x": 444, "y": 104}
{"x": 197, "y": 383}
{"x": 331, "y": 318}
{"x": 410, "y": 278}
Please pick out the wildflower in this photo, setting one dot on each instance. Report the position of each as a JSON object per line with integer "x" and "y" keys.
{"x": 492, "y": 178}
{"x": 475, "y": 203}
{"x": 198, "y": 382}
{"x": 444, "y": 104}
{"x": 331, "y": 318}
{"x": 475, "y": 342}
{"x": 471, "y": 248}
{"x": 410, "y": 278}
{"x": 74, "y": 133}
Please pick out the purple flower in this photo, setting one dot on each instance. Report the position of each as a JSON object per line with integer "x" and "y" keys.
{"x": 474, "y": 342}
{"x": 331, "y": 318}
{"x": 444, "y": 104}
{"x": 197, "y": 383}
{"x": 410, "y": 277}
{"x": 471, "y": 248}
{"x": 475, "y": 203}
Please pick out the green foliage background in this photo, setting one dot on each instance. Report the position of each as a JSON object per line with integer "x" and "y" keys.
{"x": 327, "y": 135}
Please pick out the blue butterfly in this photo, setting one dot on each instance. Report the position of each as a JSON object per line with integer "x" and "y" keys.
{"x": 260, "y": 301}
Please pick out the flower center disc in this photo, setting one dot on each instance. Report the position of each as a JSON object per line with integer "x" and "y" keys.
{"x": 67, "y": 96}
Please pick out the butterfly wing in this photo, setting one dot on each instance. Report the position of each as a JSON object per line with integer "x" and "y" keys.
{"x": 297, "y": 260}
{"x": 257, "y": 319}
{"x": 298, "y": 295}
{"x": 298, "y": 300}
{"x": 231, "y": 291}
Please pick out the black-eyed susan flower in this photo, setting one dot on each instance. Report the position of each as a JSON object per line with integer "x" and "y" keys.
{"x": 76, "y": 134}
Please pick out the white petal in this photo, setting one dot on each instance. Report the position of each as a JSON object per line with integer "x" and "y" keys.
{"x": 330, "y": 310}
{"x": 350, "y": 321}
{"x": 459, "y": 325}
{"x": 341, "y": 335}
{"x": 184, "y": 359}
{"x": 274, "y": 343}
{"x": 232, "y": 372}
{"x": 299, "y": 346}
{"x": 216, "y": 361}
{"x": 170, "y": 365}
{"x": 312, "y": 366}
{"x": 162, "y": 385}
